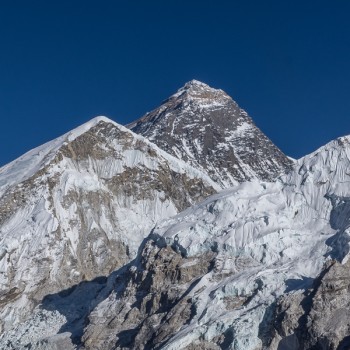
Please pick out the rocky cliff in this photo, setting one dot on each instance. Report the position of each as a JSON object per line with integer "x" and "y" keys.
{"x": 207, "y": 129}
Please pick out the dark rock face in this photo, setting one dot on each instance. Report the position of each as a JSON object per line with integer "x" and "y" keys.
{"x": 319, "y": 318}
{"x": 152, "y": 301}
{"x": 140, "y": 181}
{"x": 207, "y": 129}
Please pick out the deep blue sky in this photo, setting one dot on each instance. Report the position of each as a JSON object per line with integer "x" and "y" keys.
{"x": 63, "y": 62}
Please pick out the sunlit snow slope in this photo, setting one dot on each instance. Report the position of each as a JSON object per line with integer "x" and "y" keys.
{"x": 109, "y": 242}
{"x": 79, "y": 207}
{"x": 229, "y": 260}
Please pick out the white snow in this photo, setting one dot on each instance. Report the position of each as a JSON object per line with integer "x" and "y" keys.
{"x": 265, "y": 233}
{"x": 42, "y": 234}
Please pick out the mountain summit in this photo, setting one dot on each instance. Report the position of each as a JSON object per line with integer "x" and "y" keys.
{"x": 201, "y": 92}
{"x": 206, "y": 128}
{"x": 108, "y": 241}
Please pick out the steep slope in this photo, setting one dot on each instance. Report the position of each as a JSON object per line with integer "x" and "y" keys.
{"x": 79, "y": 207}
{"x": 211, "y": 277}
{"x": 318, "y": 318}
{"x": 262, "y": 265}
{"x": 207, "y": 129}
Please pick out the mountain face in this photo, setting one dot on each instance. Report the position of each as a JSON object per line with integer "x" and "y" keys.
{"x": 253, "y": 267}
{"x": 207, "y": 129}
{"x": 108, "y": 241}
{"x": 80, "y": 206}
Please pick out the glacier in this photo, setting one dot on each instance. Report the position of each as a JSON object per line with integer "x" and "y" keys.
{"x": 111, "y": 239}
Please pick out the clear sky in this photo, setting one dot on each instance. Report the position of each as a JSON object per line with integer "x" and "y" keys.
{"x": 287, "y": 63}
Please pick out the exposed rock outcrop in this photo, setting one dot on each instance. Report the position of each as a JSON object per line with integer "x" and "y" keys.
{"x": 207, "y": 129}
{"x": 79, "y": 207}
{"x": 318, "y": 318}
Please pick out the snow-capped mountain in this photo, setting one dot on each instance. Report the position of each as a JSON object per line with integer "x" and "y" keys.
{"x": 108, "y": 241}
{"x": 207, "y": 129}
{"x": 79, "y": 207}
{"x": 213, "y": 276}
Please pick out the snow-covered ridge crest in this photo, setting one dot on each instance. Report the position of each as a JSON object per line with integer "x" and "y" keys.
{"x": 28, "y": 164}
{"x": 196, "y": 90}
{"x": 307, "y": 188}
{"x": 324, "y": 172}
